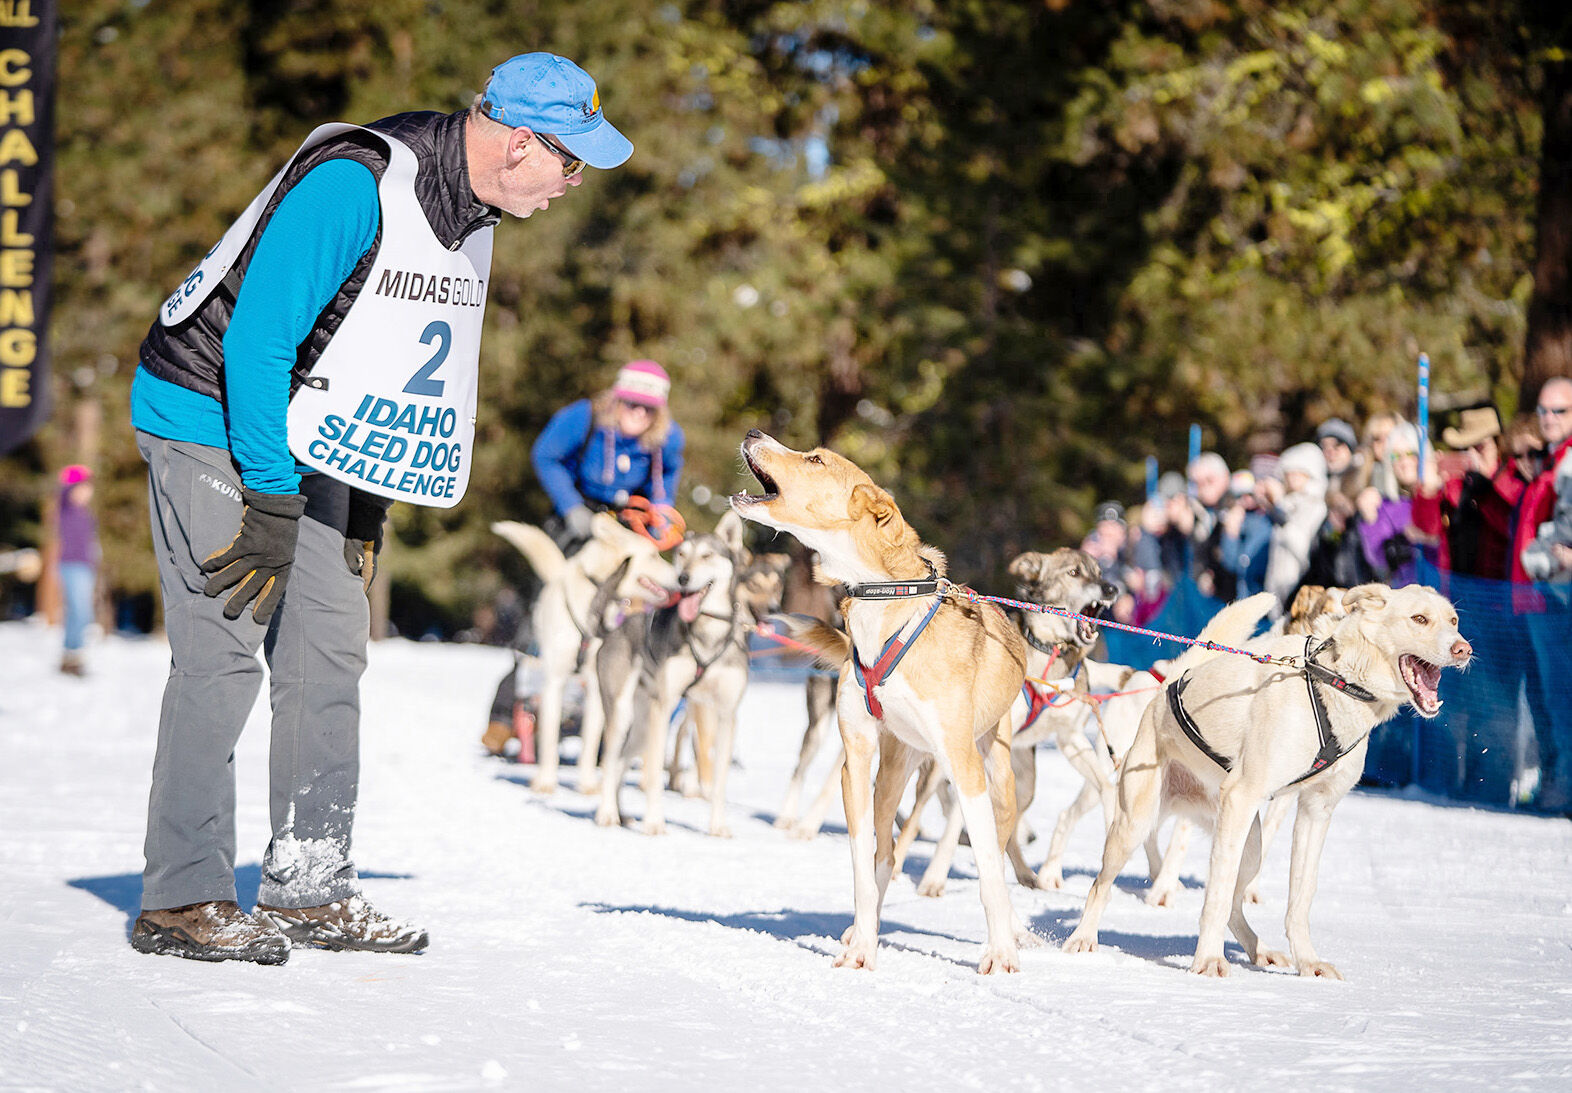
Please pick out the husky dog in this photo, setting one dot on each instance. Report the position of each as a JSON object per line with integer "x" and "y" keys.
{"x": 696, "y": 648}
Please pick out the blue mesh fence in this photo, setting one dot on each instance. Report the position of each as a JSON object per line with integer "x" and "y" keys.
{"x": 1506, "y": 725}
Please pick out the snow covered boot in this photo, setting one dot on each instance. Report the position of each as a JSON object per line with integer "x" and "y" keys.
{"x": 345, "y": 924}
{"x": 71, "y": 664}
{"x": 216, "y": 930}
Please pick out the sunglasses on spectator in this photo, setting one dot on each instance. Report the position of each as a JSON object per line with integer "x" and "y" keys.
{"x": 571, "y": 164}
{"x": 629, "y": 404}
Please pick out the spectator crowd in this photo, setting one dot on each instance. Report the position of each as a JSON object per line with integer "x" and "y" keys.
{"x": 1351, "y": 507}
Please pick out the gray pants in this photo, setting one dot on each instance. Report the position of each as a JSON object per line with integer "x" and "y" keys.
{"x": 315, "y": 645}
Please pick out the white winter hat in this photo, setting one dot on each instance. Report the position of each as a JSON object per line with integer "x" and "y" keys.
{"x": 1304, "y": 458}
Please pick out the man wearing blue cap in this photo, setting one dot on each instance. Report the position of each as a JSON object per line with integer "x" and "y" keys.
{"x": 320, "y": 363}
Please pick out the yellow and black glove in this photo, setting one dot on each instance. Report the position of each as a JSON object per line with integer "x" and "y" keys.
{"x": 363, "y": 534}
{"x": 256, "y": 563}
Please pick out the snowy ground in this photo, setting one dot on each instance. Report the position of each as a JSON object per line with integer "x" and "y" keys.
{"x": 568, "y": 956}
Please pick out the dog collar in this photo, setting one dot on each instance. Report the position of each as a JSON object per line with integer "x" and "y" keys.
{"x": 896, "y": 590}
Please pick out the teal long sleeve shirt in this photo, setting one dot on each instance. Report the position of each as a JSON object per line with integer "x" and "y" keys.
{"x": 318, "y": 233}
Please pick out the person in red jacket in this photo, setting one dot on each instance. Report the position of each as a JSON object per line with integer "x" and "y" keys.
{"x": 1554, "y": 411}
{"x": 1468, "y": 514}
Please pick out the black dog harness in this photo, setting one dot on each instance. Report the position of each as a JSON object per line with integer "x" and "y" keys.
{"x": 1330, "y": 751}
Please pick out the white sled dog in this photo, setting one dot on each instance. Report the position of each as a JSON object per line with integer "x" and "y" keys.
{"x": 696, "y": 648}
{"x": 921, "y": 674}
{"x": 1227, "y": 732}
{"x": 616, "y": 566}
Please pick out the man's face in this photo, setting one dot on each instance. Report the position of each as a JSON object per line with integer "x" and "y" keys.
{"x": 1555, "y": 411}
{"x": 1337, "y": 454}
{"x": 533, "y": 176}
{"x": 1210, "y": 486}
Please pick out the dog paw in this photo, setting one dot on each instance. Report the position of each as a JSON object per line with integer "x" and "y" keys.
{"x": 999, "y": 960}
{"x": 544, "y": 787}
{"x": 857, "y": 953}
{"x": 1050, "y": 880}
{"x": 933, "y": 889}
{"x": 787, "y": 824}
{"x": 590, "y": 789}
{"x": 1214, "y": 967}
{"x": 1319, "y": 969}
{"x": 802, "y": 832}
{"x": 721, "y": 832}
{"x": 1271, "y": 958}
{"x": 1025, "y": 939}
{"x": 605, "y": 817}
{"x": 1080, "y": 943}
{"x": 1160, "y": 897}
{"x": 653, "y": 827}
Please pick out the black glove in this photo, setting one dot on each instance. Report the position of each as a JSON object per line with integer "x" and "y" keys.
{"x": 363, "y": 534}
{"x": 259, "y": 557}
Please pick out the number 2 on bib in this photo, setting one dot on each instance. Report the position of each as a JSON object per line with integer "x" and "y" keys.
{"x": 421, "y": 382}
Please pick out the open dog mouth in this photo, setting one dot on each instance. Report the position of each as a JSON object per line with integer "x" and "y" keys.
{"x": 688, "y": 603}
{"x": 1423, "y": 679}
{"x": 771, "y": 490}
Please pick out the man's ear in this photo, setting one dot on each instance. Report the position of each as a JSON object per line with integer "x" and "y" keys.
{"x": 1368, "y": 598}
{"x": 518, "y": 144}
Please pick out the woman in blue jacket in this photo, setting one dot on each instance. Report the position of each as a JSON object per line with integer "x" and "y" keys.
{"x": 596, "y": 455}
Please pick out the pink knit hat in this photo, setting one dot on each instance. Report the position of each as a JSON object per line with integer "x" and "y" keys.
{"x": 642, "y": 381}
{"x": 76, "y": 472}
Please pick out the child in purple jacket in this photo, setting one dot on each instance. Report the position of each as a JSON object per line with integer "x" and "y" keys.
{"x": 78, "y": 538}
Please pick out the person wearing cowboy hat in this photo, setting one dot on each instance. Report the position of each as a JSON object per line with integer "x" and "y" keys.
{"x": 1468, "y": 513}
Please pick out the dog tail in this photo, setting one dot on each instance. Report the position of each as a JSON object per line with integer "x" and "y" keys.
{"x": 1233, "y": 625}
{"x": 830, "y": 646}
{"x": 543, "y": 553}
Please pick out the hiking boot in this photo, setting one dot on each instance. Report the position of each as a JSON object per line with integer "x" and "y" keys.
{"x": 71, "y": 664}
{"x": 215, "y": 930}
{"x": 345, "y": 924}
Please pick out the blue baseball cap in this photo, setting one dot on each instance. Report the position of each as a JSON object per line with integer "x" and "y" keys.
{"x": 552, "y": 95}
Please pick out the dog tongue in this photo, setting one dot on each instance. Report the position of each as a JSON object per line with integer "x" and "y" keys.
{"x": 688, "y": 606}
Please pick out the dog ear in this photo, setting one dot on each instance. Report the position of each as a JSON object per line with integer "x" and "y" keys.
{"x": 730, "y": 532}
{"x": 869, "y": 500}
{"x": 1365, "y": 597}
{"x": 1027, "y": 567}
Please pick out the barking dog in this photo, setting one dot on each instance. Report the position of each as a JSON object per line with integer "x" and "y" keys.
{"x": 944, "y": 673}
{"x": 615, "y": 565}
{"x": 1227, "y": 732}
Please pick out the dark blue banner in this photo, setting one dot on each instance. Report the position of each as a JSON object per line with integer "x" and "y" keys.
{"x": 27, "y": 92}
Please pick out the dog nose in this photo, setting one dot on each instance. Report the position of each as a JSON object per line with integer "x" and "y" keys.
{"x": 682, "y": 580}
{"x": 754, "y": 434}
{"x": 1461, "y": 649}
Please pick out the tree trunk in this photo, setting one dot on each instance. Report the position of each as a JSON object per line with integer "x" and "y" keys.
{"x": 1548, "y": 348}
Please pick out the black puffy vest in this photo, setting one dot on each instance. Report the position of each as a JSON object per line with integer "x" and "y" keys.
{"x": 192, "y": 354}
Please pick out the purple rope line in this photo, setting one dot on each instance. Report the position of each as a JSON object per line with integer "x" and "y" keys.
{"x": 1156, "y": 635}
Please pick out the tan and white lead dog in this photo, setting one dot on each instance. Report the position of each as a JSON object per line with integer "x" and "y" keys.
{"x": 944, "y": 673}
{"x": 1228, "y": 732}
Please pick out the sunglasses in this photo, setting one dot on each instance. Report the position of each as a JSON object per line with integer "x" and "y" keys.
{"x": 1551, "y": 411}
{"x": 571, "y": 164}
{"x": 628, "y": 404}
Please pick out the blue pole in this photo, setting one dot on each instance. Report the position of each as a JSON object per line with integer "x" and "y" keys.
{"x": 1424, "y": 408}
{"x": 1195, "y": 451}
{"x": 1424, "y": 443}
{"x": 1151, "y": 477}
